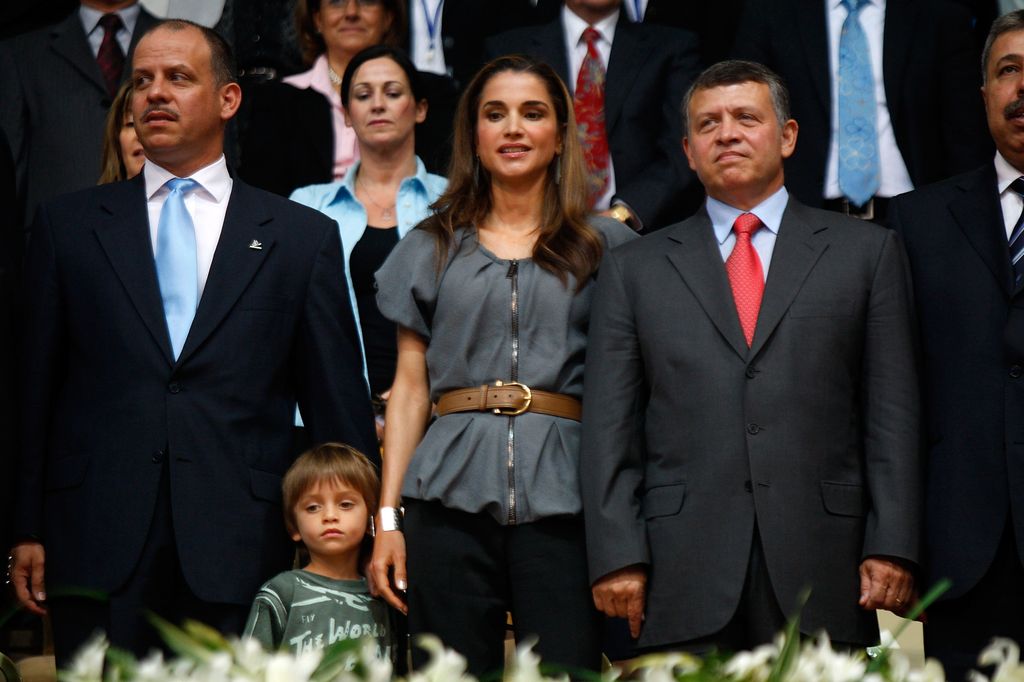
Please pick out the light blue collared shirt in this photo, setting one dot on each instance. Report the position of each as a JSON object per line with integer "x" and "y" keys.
{"x": 94, "y": 32}
{"x": 769, "y": 211}
{"x": 338, "y": 200}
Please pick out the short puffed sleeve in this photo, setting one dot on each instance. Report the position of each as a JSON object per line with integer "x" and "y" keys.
{"x": 408, "y": 282}
{"x": 612, "y": 231}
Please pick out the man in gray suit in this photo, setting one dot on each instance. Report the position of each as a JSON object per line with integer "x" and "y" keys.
{"x": 750, "y": 421}
{"x": 58, "y": 83}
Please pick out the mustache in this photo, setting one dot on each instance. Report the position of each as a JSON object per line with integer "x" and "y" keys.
{"x": 1014, "y": 108}
{"x": 161, "y": 109}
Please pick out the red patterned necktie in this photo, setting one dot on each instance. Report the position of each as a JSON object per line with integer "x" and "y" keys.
{"x": 110, "y": 57}
{"x": 588, "y": 105}
{"x": 745, "y": 274}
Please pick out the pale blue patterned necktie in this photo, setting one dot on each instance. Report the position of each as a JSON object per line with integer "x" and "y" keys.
{"x": 858, "y": 137}
{"x": 176, "y": 267}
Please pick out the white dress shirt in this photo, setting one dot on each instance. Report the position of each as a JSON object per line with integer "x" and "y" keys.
{"x": 206, "y": 204}
{"x": 427, "y": 54}
{"x": 1009, "y": 201}
{"x": 768, "y": 211}
{"x": 894, "y": 178}
{"x": 205, "y": 12}
{"x": 94, "y": 32}
{"x": 576, "y": 50}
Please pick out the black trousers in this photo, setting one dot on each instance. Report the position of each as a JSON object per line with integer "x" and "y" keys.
{"x": 758, "y": 617}
{"x": 155, "y": 586}
{"x": 466, "y": 571}
{"x": 959, "y": 628}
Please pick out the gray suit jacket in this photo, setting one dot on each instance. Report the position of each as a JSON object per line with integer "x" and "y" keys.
{"x": 54, "y": 106}
{"x": 690, "y": 438}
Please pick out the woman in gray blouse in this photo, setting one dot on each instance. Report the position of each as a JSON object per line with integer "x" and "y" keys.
{"x": 492, "y": 298}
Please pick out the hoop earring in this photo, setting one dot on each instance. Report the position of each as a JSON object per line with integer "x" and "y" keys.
{"x": 373, "y": 528}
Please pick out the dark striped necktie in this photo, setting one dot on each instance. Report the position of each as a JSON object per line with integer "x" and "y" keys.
{"x": 1017, "y": 239}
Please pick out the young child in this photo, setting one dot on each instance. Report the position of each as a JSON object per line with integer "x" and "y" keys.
{"x": 330, "y": 498}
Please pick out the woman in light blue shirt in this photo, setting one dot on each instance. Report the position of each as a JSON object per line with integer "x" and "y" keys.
{"x": 383, "y": 196}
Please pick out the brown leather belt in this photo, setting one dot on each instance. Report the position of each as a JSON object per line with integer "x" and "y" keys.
{"x": 510, "y": 399}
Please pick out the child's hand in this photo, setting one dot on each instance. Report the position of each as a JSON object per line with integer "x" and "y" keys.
{"x": 389, "y": 561}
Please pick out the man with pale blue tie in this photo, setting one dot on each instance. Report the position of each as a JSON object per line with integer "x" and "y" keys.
{"x": 885, "y": 92}
{"x": 175, "y": 320}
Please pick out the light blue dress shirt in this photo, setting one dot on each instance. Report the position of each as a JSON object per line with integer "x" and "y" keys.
{"x": 769, "y": 211}
{"x": 338, "y": 200}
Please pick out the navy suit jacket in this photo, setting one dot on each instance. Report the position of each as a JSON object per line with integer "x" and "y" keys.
{"x": 649, "y": 69}
{"x": 972, "y": 338}
{"x": 108, "y": 411}
{"x": 931, "y": 74}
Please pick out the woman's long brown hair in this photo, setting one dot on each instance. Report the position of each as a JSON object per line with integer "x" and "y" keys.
{"x": 567, "y": 245}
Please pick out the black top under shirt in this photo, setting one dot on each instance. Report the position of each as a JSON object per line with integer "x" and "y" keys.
{"x": 379, "y": 334}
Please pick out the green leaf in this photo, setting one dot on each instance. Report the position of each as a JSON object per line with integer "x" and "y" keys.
{"x": 205, "y": 635}
{"x": 179, "y": 641}
{"x": 791, "y": 645}
{"x": 335, "y": 659}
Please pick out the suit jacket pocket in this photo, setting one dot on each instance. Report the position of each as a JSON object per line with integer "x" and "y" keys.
{"x": 821, "y": 309}
{"x": 843, "y": 499}
{"x": 664, "y": 500}
{"x": 265, "y": 486}
{"x": 66, "y": 472}
{"x": 273, "y": 303}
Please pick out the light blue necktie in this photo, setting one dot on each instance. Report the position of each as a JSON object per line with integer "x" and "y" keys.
{"x": 176, "y": 267}
{"x": 858, "y": 138}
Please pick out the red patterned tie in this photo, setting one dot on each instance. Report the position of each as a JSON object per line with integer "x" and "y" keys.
{"x": 110, "y": 57}
{"x": 588, "y": 105}
{"x": 745, "y": 274}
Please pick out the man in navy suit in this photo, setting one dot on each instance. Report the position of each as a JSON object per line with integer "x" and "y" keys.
{"x": 153, "y": 448}
{"x": 962, "y": 238}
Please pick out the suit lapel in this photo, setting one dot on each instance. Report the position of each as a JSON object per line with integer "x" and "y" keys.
{"x": 698, "y": 260}
{"x": 813, "y": 19}
{"x": 980, "y": 217}
{"x": 797, "y": 248}
{"x": 549, "y": 46}
{"x": 234, "y": 263}
{"x": 124, "y": 236}
{"x": 898, "y": 35}
{"x": 624, "y": 62}
{"x": 68, "y": 40}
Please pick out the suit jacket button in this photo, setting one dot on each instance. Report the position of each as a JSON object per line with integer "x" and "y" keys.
{"x": 174, "y": 387}
{"x": 751, "y": 371}
{"x": 748, "y": 486}
{"x": 1016, "y": 371}
{"x": 753, "y": 429}
{"x": 158, "y": 456}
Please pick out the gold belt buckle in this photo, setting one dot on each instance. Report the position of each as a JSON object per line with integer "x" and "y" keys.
{"x": 527, "y": 399}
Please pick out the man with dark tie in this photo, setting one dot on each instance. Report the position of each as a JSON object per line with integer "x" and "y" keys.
{"x": 965, "y": 239}
{"x": 627, "y": 80}
{"x": 58, "y": 84}
{"x": 750, "y": 419}
{"x": 172, "y": 322}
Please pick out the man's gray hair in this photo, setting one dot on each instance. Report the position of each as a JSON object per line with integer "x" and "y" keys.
{"x": 734, "y": 72}
{"x": 1011, "y": 21}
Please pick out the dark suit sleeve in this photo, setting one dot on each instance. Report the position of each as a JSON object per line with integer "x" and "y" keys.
{"x": 12, "y": 113}
{"x": 611, "y": 458}
{"x": 668, "y": 191}
{"x": 892, "y": 411}
{"x": 41, "y": 372}
{"x": 332, "y": 392}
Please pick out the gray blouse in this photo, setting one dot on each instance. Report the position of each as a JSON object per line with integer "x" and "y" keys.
{"x": 486, "y": 318}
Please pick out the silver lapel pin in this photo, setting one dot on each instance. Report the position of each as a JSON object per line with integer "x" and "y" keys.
{"x": 256, "y": 245}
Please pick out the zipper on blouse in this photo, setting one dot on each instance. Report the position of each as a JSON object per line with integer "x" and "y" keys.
{"x": 513, "y": 277}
